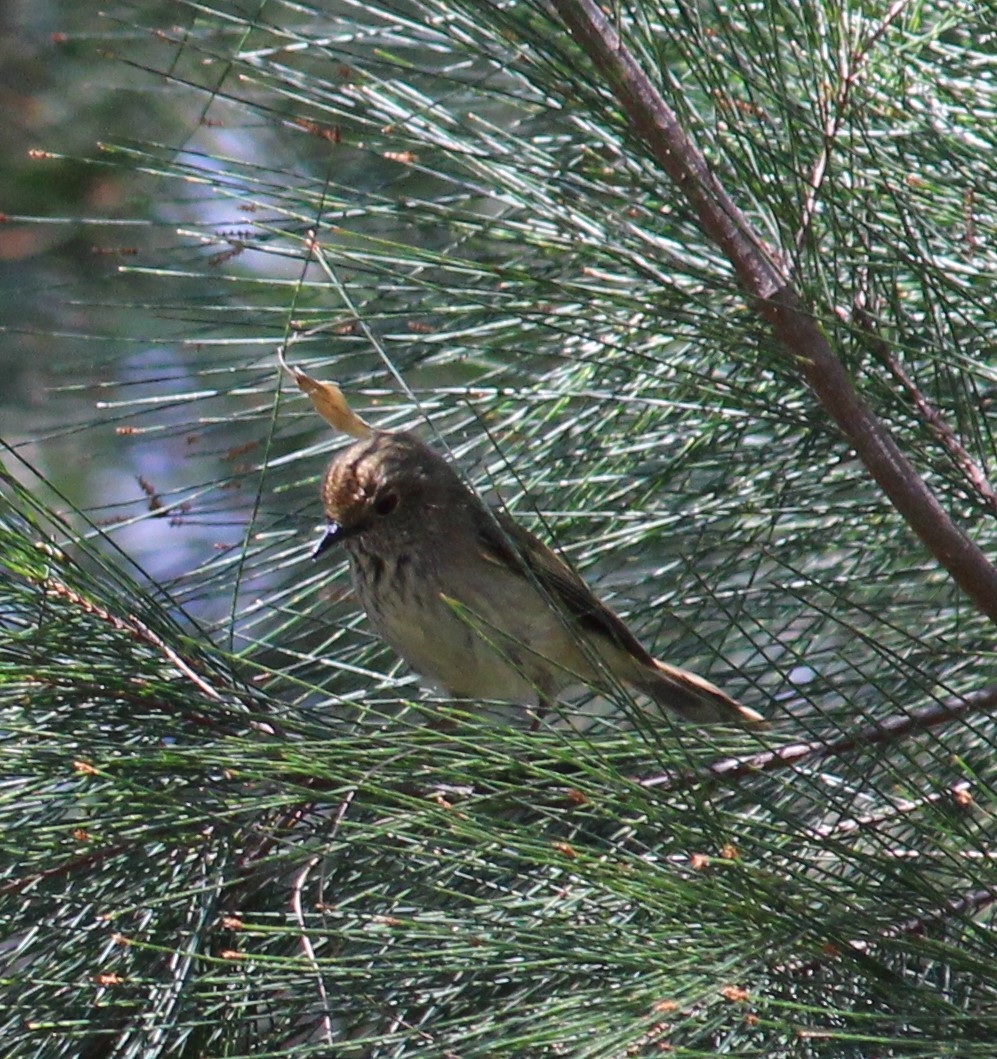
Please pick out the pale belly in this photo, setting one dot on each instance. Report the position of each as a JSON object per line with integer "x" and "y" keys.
{"x": 505, "y": 643}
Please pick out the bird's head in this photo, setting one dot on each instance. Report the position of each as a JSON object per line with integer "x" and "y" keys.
{"x": 386, "y": 483}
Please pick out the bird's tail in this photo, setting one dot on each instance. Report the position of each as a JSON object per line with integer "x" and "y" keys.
{"x": 692, "y": 698}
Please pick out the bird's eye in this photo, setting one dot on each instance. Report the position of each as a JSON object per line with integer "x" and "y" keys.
{"x": 386, "y": 503}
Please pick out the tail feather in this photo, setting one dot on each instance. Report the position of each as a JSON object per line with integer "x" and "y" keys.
{"x": 693, "y": 698}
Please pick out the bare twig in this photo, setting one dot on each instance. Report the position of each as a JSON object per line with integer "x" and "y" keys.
{"x": 138, "y": 630}
{"x": 936, "y": 422}
{"x": 836, "y": 112}
{"x": 902, "y": 807}
{"x": 135, "y": 628}
{"x": 766, "y": 280}
{"x": 915, "y": 926}
{"x": 961, "y": 906}
{"x": 308, "y": 949}
{"x": 296, "y": 906}
{"x": 887, "y": 731}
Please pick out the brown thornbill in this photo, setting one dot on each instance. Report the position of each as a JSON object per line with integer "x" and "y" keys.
{"x": 470, "y": 599}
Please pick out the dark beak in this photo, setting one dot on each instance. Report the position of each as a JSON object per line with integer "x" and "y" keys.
{"x": 334, "y": 533}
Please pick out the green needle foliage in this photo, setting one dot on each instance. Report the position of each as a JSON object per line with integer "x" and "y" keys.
{"x": 231, "y": 828}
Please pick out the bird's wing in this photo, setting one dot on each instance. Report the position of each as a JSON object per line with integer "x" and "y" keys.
{"x": 506, "y": 543}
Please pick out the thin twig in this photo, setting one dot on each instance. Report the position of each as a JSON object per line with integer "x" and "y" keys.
{"x": 972, "y": 902}
{"x": 915, "y": 926}
{"x": 832, "y": 123}
{"x": 306, "y": 945}
{"x": 929, "y": 413}
{"x": 135, "y": 628}
{"x": 884, "y": 816}
{"x": 296, "y": 906}
{"x": 138, "y": 630}
{"x": 766, "y": 280}
{"x": 886, "y": 731}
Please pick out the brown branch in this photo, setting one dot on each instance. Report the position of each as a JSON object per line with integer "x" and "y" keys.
{"x": 943, "y": 431}
{"x": 887, "y": 731}
{"x": 766, "y": 280}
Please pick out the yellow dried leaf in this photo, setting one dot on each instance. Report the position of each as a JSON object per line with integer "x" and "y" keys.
{"x": 329, "y": 402}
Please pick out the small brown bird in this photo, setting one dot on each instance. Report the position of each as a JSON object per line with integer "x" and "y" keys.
{"x": 475, "y": 603}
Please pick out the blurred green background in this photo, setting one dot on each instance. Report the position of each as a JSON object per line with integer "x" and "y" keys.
{"x": 81, "y": 328}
